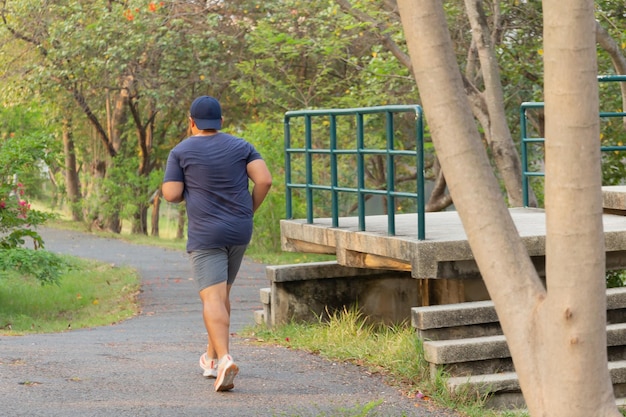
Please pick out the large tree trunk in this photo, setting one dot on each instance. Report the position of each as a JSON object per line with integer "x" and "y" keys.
{"x": 572, "y": 320}
{"x": 527, "y": 314}
{"x": 72, "y": 182}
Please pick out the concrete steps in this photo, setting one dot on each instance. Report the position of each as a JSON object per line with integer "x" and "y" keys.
{"x": 506, "y": 392}
{"x": 466, "y": 342}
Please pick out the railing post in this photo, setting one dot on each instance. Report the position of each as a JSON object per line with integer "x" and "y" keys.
{"x": 360, "y": 163}
{"x": 421, "y": 198}
{"x": 391, "y": 175}
{"x": 308, "y": 162}
{"x": 524, "y": 155}
{"x": 288, "y": 202}
{"x": 333, "y": 170}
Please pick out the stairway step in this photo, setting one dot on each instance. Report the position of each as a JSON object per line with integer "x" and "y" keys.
{"x": 442, "y": 352}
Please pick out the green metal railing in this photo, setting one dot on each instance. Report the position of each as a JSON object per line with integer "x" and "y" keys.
{"x": 361, "y": 151}
{"x": 526, "y": 174}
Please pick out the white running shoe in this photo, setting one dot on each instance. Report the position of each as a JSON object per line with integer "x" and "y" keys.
{"x": 209, "y": 366}
{"x": 226, "y": 372}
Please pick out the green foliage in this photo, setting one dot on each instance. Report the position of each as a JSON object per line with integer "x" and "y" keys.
{"x": 30, "y": 146}
{"x": 318, "y": 56}
{"x": 265, "y": 137}
{"x": 129, "y": 70}
{"x": 20, "y": 156}
{"x": 612, "y": 133}
{"x": 616, "y": 279}
{"x": 44, "y": 266}
{"x": 260, "y": 59}
{"x": 611, "y": 15}
{"x": 23, "y": 156}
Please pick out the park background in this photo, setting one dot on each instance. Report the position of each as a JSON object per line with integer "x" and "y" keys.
{"x": 94, "y": 95}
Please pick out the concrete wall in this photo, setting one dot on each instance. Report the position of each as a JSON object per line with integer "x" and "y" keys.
{"x": 306, "y": 292}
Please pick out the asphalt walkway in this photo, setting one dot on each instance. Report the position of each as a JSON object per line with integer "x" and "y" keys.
{"x": 147, "y": 366}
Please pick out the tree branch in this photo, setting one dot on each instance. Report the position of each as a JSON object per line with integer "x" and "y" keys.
{"x": 604, "y": 39}
{"x": 82, "y": 103}
{"x": 386, "y": 40}
{"x": 20, "y": 35}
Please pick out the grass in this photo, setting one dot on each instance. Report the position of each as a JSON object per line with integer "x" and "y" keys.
{"x": 366, "y": 410}
{"x": 392, "y": 351}
{"x": 91, "y": 294}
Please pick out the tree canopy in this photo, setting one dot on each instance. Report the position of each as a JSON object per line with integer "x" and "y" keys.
{"x": 116, "y": 78}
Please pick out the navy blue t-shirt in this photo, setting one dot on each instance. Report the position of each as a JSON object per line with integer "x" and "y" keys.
{"x": 219, "y": 204}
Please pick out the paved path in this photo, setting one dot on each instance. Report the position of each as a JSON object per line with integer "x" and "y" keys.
{"x": 147, "y": 366}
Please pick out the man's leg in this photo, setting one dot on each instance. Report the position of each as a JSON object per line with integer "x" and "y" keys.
{"x": 235, "y": 257}
{"x": 209, "y": 269}
{"x": 216, "y": 315}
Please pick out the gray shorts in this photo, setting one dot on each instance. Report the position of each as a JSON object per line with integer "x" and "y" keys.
{"x": 213, "y": 266}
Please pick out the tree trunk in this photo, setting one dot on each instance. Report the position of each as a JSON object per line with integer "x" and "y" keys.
{"x": 527, "y": 314}
{"x": 113, "y": 223}
{"x": 572, "y": 320}
{"x": 145, "y": 133}
{"x": 156, "y": 212}
{"x": 98, "y": 218}
{"x": 140, "y": 221}
{"x": 439, "y": 199}
{"x": 496, "y": 129}
{"x": 72, "y": 182}
{"x": 180, "y": 230}
{"x": 118, "y": 116}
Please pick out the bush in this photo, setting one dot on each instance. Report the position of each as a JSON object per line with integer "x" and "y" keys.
{"x": 23, "y": 155}
{"x": 267, "y": 139}
{"x": 615, "y": 279}
{"x": 45, "y": 266}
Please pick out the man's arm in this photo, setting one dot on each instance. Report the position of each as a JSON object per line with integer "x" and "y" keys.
{"x": 173, "y": 191}
{"x": 262, "y": 179}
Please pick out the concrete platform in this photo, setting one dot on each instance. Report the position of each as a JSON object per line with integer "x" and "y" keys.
{"x": 443, "y": 263}
{"x": 614, "y": 199}
{"x": 444, "y": 254}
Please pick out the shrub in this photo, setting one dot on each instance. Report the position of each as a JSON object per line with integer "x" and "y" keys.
{"x": 23, "y": 155}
